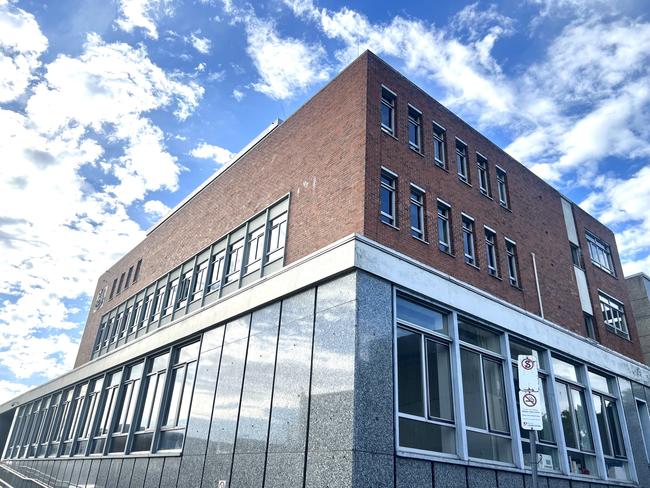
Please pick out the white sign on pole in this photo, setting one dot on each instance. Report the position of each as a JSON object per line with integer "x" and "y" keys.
{"x": 530, "y": 411}
{"x": 527, "y": 370}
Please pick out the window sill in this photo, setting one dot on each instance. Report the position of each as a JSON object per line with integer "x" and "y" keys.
{"x": 607, "y": 272}
{"x": 441, "y": 165}
{"x": 517, "y": 287}
{"x": 389, "y": 132}
{"x": 472, "y": 265}
{"x": 464, "y": 182}
{"x": 495, "y": 276}
{"x": 416, "y": 150}
{"x": 487, "y": 195}
{"x": 392, "y": 226}
{"x": 505, "y": 207}
{"x": 423, "y": 241}
{"x": 448, "y": 253}
{"x": 617, "y": 333}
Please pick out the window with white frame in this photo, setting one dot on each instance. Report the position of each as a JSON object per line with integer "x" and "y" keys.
{"x": 235, "y": 258}
{"x": 388, "y": 100}
{"x": 613, "y": 314}
{"x": 158, "y": 297}
{"x": 600, "y": 253}
{"x": 417, "y": 213}
{"x": 170, "y": 296}
{"x": 105, "y": 412}
{"x": 483, "y": 174}
{"x": 59, "y": 422}
{"x": 277, "y": 237}
{"x": 570, "y": 394}
{"x": 425, "y": 394}
{"x": 72, "y": 422}
{"x": 502, "y": 187}
{"x": 216, "y": 271}
{"x": 461, "y": 161}
{"x": 469, "y": 241}
{"x": 87, "y": 418}
{"x": 153, "y": 388}
{"x": 255, "y": 249}
{"x": 513, "y": 264}
{"x": 183, "y": 289}
{"x": 201, "y": 273}
{"x": 547, "y": 451}
{"x": 491, "y": 252}
{"x": 439, "y": 143}
{"x": 126, "y": 404}
{"x": 415, "y": 128}
{"x": 444, "y": 228}
{"x": 603, "y": 394}
{"x": 147, "y": 306}
{"x": 484, "y": 393}
{"x": 387, "y": 196}
{"x": 48, "y": 421}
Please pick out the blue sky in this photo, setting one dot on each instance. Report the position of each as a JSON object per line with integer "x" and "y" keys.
{"x": 112, "y": 112}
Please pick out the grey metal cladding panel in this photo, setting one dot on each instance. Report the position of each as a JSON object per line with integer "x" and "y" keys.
{"x": 580, "y": 484}
{"x": 371, "y": 469}
{"x": 327, "y": 469}
{"x": 449, "y": 475}
{"x": 57, "y": 473}
{"x": 247, "y": 470}
{"x": 558, "y": 483}
{"x": 373, "y": 384}
{"x": 83, "y": 472}
{"x": 288, "y": 428}
{"x": 154, "y": 472}
{"x": 191, "y": 471}
{"x": 139, "y": 473}
{"x": 93, "y": 472}
{"x": 102, "y": 474}
{"x": 336, "y": 292}
{"x": 639, "y": 391}
{"x": 542, "y": 482}
{"x": 253, "y": 425}
{"x": 284, "y": 470}
{"x": 126, "y": 472}
{"x": 237, "y": 329}
{"x": 216, "y": 469}
{"x": 74, "y": 474}
{"x": 634, "y": 429}
{"x": 114, "y": 474}
{"x": 198, "y": 427}
{"x": 481, "y": 478}
{"x": 213, "y": 338}
{"x": 228, "y": 395}
{"x": 506, "y": 479}
{"x": 413, "y": 473}
{"x": 170, "y": 472}
{"x": 332, "y": 388}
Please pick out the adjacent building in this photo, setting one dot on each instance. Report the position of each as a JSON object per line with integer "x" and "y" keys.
{"x": 342, "y": 306}
{"x": 638, "y": 286}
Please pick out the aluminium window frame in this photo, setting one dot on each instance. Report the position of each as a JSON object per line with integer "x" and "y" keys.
{"x": 483, "y": 174}
{"x": 502, "y": 187}
{"x": 462, "y": 163}
{"x": 444, "y": 219}
{"x": 416, "y": 121}
{"x": 512, "y": 260}
{"x": 392, "y": 106}
{"x": 469, "y": 232}
{"x": 439, "y": 145}
{"x": 598, "y": 250}
{"x": 417, "y": 199}
{"x": 388, "y": 218}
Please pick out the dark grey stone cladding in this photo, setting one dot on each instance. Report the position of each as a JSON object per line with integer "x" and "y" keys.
{"x": 299, "y": 394}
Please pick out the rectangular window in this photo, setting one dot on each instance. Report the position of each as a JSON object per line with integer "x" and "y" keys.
{"x": 143, "y": 319}
{"x": 601, "y": 253}
{"x": 125, "y": 408}
{"x": 388, "y": 99}
{"x": 590, "y": 326}
{"x": 469, "y": 242}
{"x": 59, "y": 421}
{"x": 158, "y": 298}
{"x": 576, "y": 257}
{"x": 387, "y": 197}
{"x": 644, "y": 419}
{"x": 216, "y": 270}
{"x": 129, "y": 274}
{"x": 255, "y": 249}
{"x": 201, "y": 273}
{"x": 183, "y": 289}
{"x": 277, "y": 237}
{"x": 439, "y": 149}
{"x": 170, "y": 297}
{"x": 105, "y": 412}
{"x": 74, "y": 416}
{"x": 235, "y": 259}
{"x": 444, "y": 228}
{"x": 119, "y": 286}
{"x": 483, "y": 174}
{"x": 127, "y": 320}
{"x": 415, "y": 129}
{"x": 152, "y": 394}
{"x": 417, "y": 213}
{"x": 491, "y": 252}
{"x": 513, "y": 264}
{"x": 502, "y": 186}
{"x": 113, "y": 289}
{"x": 613, "y": 315}
{"x": 88, "y": 416}
{"x": 136, "y": 275}
{"x": 461, "y": 161}
{"x": 177, "y": 409}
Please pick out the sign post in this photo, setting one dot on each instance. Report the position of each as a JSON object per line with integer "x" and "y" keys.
{"x": 529, "y": 407}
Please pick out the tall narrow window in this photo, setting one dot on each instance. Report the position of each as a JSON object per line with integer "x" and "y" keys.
{"x": 170, "y": 297}
{"x": 444, "y": 228}
{"x": 105, "y": 412}
{"x": 136, "y": 275}
{"x": 491, "y": 252}
{"x": 644, "y": 419}
{"x": 59, "y": 422}
{"x": 469, "y": 242}
{"x": 277, "y": 238}
{"x": 88, "y": 416}
{"x": 387, "y": 197}
{"x": 125, "y": 408}
{"x": 235, "y": 258}
{"x": 502, "y": 186}
{"x": 48, "y": 424}
{"x": 590, "y": 326}
{"x": 143, "y": 319}
{"x": 72, "y": 423}
{"x": 415, "y": 129}
{"x": 461, "y": 161}
{"x": 183, "y": 289}
{"x": 613, "y": 315}
{"x": 156, "y": 306}
{"x": 217, "y": 262}
{"x": 439, "y": 142}
{"x": 483, "y": 174}
{"x": 119, "y": 286}
{"x": 576, "y": 256}
{"x": 201, "y": 272}
{"x": 177, "y": 409}
{"x": 113, "y": 289}
{"x": 152, "y": 389}
{"x": 601, "y": 253}
{"x": 388, "y": 110}
{"x": 126, "y": 321}
{"x": 129, "y": 274}
{"x": 513, "y": 265}
{"x": 255, "y": 244}
{"x": 417, "y": 213}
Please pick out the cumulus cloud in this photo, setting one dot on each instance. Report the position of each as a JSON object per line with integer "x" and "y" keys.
{"x": 207, "y": 151}
{"x": 21, "y": 45}
{"x": 143, "y": 14}
{"x": 201, "y": 44}
{"x": 238, "y": 95}
{"x": 156, "y": 209}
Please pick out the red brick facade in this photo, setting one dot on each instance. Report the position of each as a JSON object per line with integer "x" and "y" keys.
{"x": 328, "y": 155}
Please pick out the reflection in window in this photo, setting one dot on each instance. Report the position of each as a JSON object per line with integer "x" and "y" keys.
{"x": 105, "y": 413}
{"x": 126, "y": 407}
{"x": 153, "y": 389}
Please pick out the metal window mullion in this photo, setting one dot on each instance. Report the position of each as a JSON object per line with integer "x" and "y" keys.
{"x": 189, "y": 410}
{"x": 486, "y": 416}
{"x": 624, "y": 430}
{"x": 595, "y": 430}
{"x": 517, "y": 451}
{"x": 208, "y": 273}
{"x": 83, "y": 412}
{"x": 226, "y": 263}
{"x": 425, "y": 376}
{"x": 553, "y": 406}
{"x": 163, "y": 401}
{"x": 192, "y": 284}
{"x": 265, "y": 239}
{"x": 164, "y": 295}
{"x": 182, "y": 392}
{"x": 245, "y": 250}
{"x": 457, "y": 387}
{"x": 138, "y": 406}
{"x": 100, "y": 403}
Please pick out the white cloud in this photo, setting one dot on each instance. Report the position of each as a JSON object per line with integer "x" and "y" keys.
{"x": 238, "y": 94}
{"x": 201, "y": 44}
{"x": 21, "y": 45}
{"x": 143, "y": 14}
{"x": 156, "y": 209}
{"x": 9, "y": 390}
{"x": 207, "y": 151}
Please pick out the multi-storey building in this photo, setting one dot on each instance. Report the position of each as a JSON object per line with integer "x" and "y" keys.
{"x": 638, "y": 286}
{"x": 341, "y": 306}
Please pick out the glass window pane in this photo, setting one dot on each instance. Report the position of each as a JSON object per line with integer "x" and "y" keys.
{"x": 602, "y": 424}
{"x": 478, "y": 336}
{"x": 584, "y": 432}
{"x": 496, "y": 396}
{"x": 564, "y": 370}
{"x": 617, "y": 469}
{"x": 488, "y": 446}
{"x": 426, "y": 436}
{"x": 419, "y": 314}
{"x": 599, "y": 382}
{"x": 547, "y": 457}
{"x": 582, "y": 464}
{"x": 441, "y": 403}
{"x": 566, "y": 415}
{"x": 519, "y": 348}
{"x": 473, "y": 389}
{"x": 386, "y": 201}
{"x": 615, "y": 428}
{"x": 409, "y": 373}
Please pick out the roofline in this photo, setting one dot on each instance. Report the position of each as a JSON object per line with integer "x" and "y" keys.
{"x": 640, "y": 273}
{"x": 254, "y": 142}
